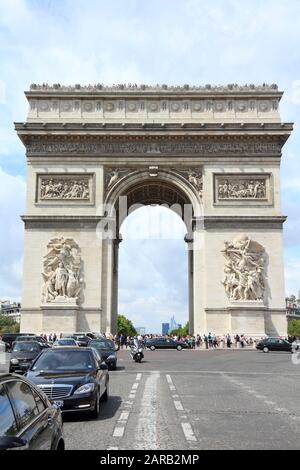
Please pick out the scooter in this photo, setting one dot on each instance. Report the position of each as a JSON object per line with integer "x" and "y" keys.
{"x": 137, "y": 353}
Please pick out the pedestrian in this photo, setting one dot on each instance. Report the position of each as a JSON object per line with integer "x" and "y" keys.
{"x": 206, "y": 341}
{"x": 228, "y": 341}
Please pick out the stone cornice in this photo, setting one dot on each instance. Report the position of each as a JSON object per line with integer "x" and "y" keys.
{"x": 244, "y": 222}
{"x": 208, "y": 222}
{"x": 44, "y": 128}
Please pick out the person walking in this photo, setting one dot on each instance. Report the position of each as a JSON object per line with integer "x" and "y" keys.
{"x": 228, "y": 341}
{"x": 205, "y": 338}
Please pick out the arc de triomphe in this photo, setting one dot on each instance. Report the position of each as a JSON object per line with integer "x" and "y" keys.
{"x": 212, "y": 153}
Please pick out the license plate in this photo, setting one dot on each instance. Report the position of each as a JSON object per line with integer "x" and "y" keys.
{"x": 59, "y": 404}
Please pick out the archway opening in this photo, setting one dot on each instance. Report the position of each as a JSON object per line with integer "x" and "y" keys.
{"x": 153, "y": 286}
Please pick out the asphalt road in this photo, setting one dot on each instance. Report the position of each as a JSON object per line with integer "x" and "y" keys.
{"x": 196, "y": 400}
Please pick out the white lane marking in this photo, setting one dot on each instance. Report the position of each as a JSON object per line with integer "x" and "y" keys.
{"x": 178, "y": 405}
{"x": 169, "y": 379}
{"x": 186, "y": 426}
{"x": 119, "y": 431}
{"x": 112, "y": 448}
{"x": 124, "y": 416}
{"x": 269, "y": 402}
{"x": 188, "y": 432}
{"x": 146, "y": 430}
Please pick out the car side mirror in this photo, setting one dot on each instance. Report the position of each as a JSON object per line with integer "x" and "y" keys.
{"x": 103, "y": 366}
{"x": 11, "y": 442}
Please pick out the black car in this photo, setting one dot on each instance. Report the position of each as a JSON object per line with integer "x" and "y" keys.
{"x": 165, "y": 343}
{"x": 43, "y": 343}
{"x": 28, "y": 420}
{"x": 81, "y": 340}
{"x": 23, "y": 353}
{"x": 75, "y": 379}
{"x": 107, "y": 351}
{"x": 10, "y": 338}
{"x": 274, "y": 344}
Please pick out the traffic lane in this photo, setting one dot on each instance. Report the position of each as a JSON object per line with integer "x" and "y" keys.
{"x": 236, "y": 361}
{"x": 226, "y": 416}
{"x": 82, "y": 432}
{"x": 153, "y": 423}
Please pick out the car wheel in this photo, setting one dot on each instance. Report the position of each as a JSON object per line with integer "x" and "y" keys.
{"x": 60, "y": 445}
{"x": 265, "y": 349}
{"x": 96, "y": 411}
{"x": 106, "y": 393}
{"x": 114, "y": 366}
{"x": 152, "y": 348}
{"x": 179, "y": 348}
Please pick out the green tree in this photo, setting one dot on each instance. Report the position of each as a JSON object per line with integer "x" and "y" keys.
{"x": 294, "y": 328}
{"x": 184, "y": 331}
{"x": 8, "y": 325}
{"x": 125, "y": 326}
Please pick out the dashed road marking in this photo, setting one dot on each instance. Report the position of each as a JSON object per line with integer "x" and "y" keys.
{"x": 120, "y": 426}
{"x": 188, "y": 432}
{"x": 185, "y": 425}
{"x": 119, "y": 431}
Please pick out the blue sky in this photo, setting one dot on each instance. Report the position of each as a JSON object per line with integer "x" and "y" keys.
{"x": 157, "y": 41}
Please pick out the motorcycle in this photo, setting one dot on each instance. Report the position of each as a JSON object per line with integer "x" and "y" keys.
{"x": 137, "y": 353}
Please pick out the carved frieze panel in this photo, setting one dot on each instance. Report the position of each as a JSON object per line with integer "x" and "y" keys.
{"x": 243, "y": 189}
{"x": 65, "y": 188}
{"x": 164, "y": 146}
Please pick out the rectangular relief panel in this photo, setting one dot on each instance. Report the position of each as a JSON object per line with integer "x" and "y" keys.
{"x": 65, "y": 188}
{"x": 245, "y": 189}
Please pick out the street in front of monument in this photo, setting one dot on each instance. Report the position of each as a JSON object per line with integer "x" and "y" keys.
{"x": 195, "y": 400}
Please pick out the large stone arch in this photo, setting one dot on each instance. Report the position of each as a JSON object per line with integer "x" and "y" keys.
{"x": 216, "y": 148}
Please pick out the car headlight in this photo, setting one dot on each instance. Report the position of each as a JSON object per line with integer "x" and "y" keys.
{"x": 87, "y": 388}
{"x": 112, "y": 356}
{"x": 14, "y": 361}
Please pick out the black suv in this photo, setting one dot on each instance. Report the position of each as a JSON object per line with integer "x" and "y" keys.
{"x": 28, "y": 420}
{"x": 10, "y": 338}
{"x": 274, "y": 344}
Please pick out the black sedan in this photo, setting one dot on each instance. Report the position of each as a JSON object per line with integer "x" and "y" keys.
{"x": 165, "y": 343}
{"x": 81, "y": 340}
{"x": 23, "y": 353}
{"x": 107, "y": 351}
{"x": 75, "y": 379}
{"x": 28, "y": 420}
{"x": 274, "y": 344}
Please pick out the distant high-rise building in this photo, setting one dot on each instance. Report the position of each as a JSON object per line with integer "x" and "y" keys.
{"x": 173, "y": 324}
{"x": 165, "y": 329}
{"x": 179, "y": 326}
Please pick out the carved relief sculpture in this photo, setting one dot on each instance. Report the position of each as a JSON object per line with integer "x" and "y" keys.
{"x": 62, "y": 273}
{"x": 113, "y": 175}
{"x": 194, "y": 176}
{"x": 65, "y": 188}
{"x": 241, "y": 188}
{"x": 244, "y": 270}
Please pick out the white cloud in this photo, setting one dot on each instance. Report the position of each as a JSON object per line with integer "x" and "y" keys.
{"x": 12, "y": 196}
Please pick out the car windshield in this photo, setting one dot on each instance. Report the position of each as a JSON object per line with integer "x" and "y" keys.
{"x": 102, "y": 344}
{"x": 64, "y": 361}
{"x": 26, "y": 346}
